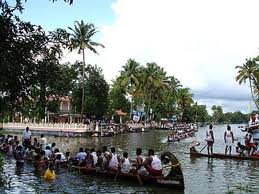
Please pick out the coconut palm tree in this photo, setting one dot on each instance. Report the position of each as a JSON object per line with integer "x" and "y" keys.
{"x": 249, "y": 71}
{"x": 81, "y": 39}
{"x": 184, "y": 99}
{"x": 154, "y": 81}
{"x": 129, "y": 79}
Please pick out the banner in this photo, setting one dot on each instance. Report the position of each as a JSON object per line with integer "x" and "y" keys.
{"x": 136, "y": 118}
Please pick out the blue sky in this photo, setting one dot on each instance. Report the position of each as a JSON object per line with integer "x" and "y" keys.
{"x": 200, "y": 42}
{"x": 61, "y": 15}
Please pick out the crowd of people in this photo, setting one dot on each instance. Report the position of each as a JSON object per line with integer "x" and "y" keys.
{"x": 250, "y": 148}
{"x": 45, "y": 156}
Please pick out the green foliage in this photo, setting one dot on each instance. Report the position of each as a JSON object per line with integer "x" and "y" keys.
{"x": 30, "y": 69}
{"x": 117, "y": 99}
{"x": 250, "y": 71}
{"x": 150, "y": 85}
{"x": 96, "y": 93}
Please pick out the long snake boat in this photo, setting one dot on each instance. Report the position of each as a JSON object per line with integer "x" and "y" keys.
{"x": 172, "y": 174}
{"x": 194, "y": 153}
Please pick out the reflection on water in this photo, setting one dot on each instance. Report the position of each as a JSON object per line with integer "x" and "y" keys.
{"x": 202, "y": 175}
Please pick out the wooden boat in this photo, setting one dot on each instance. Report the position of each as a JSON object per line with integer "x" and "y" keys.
{"x": 194, "y": 153}
{"x": 173, "y": 179}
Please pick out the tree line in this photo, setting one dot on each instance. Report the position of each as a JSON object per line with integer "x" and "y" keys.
{"x": 32, "y": 79}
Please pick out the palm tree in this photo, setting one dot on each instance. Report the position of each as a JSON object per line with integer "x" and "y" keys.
{"x": 129, "y": 79}
{"x": 184, "y": 99}
{"x": 249, "y": 71}
{"x": 154, "y": 81}
{"x": 81, "y": 39}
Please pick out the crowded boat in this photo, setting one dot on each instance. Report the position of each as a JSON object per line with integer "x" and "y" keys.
{"x": 47, "y": 157}
{"x": 180, "y": 135}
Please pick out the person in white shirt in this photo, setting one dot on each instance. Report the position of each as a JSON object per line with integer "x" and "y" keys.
{"x": 43, "y": 142}
{"x": 48, "y": 152}
{"x": 125, "y": 163}
{"x": 229, "y": 139}
{"x": 210, "y": 139}
{"x": 153, "y": 164}
{"x": 114, "y": 160}
{"x": 26, "y": 137}
{"x": 80, "y": 157}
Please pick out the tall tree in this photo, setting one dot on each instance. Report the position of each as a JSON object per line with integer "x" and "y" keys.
{"x": 249, "y": 71}
{"x": 184, "y": 100}
{"x": 96, "y": 93}
{"x": 81, "y": 39}
{"x": 129, "y": 79}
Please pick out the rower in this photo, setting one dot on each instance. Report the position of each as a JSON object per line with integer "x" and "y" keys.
{"x": 114, "y": 160}
{"x": 210, "y": 139}
{"x": 48, "y": 152}
{"x": 153, "y": 164}
{"x": 229, "y": 139}
{"x": 255, "y": 151}
{"x": 93, "y": 154}
{"x": 43, "y": 142}
{"x": 249, "y": 141}
{"x": 59, "y": 156}
{"x": 141, "y": 170}
{"x": 125, "y": 163}
{"x": 105, "y": 157}
{"x": 89, "y": 161}
{"x": 99, "y": 165}
{"x": 240, "y": 149}
{"x": 80, "y": 157}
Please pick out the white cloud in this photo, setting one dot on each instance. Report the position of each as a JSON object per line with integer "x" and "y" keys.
{"x": 200, "y": 42}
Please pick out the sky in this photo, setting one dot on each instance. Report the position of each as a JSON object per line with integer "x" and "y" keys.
{"x": 200, "y": 42}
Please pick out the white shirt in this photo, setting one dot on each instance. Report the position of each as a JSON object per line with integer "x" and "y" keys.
{"x": 81, "y": 156}
{"x": 156, "y": 163}
{"x": 26, "y": 135}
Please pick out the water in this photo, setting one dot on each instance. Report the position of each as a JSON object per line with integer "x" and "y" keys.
{"x": 202, "y": 175}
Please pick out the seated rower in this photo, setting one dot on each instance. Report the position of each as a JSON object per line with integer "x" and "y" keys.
{"x": 99, "y": 165}
{"x": 141, "y": 170}
{"x": 125, "y": 165}
{"x": 255, "y": 151}
{"x": 94, "y": 155}
{"x": 240, "y": 149}
{"x": 114, "y": 160}
{"x": 153, "y": 164}
{"x": 105, "y": 157}
{"x": 249, "y": 141}
{"x": 59, "y": 156}
{"x": 48, "y": 153}
{"x": 89, "y": 161}
{"x": 80, "y": 157}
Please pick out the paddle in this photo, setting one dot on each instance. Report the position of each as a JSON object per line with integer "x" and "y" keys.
{"x": 203, "y": 148}
{"x": 115, "y": 178}
{"x": 139, "y": 180}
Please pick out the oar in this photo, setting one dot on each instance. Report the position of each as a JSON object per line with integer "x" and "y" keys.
{"x": 115, "y": 178}
{"x": 203, "y": 148}
{"x": 139, "y": 180}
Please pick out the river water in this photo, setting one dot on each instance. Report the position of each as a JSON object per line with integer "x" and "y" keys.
{"x": 202, "y": 175}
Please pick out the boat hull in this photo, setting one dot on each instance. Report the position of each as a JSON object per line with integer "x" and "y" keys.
{"x": 174, "y": 178}
{"x": 223, "y": 156}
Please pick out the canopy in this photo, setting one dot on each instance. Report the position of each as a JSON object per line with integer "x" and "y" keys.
{"x": 120, "y": 113}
